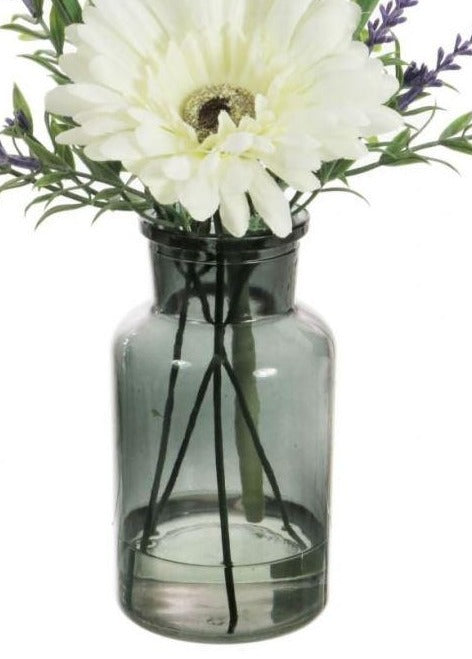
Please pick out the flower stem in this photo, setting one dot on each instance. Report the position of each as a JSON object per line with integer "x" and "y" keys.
{"x": 244, "y": 363}
{"x": 261, "y": 452}
{"x": 219, "y": 351}
{"x": 149, "y": 523}
{"x": 169, "y": 488}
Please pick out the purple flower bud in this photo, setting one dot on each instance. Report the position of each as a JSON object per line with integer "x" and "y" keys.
{"x": 3, "y": 156}
{"x": 380, "y": 30}
{"x": 418, "y": 78}
{"x": 23, "y": 162}
{"x": 19, "y": 120}
{"x": 30, "y": 6}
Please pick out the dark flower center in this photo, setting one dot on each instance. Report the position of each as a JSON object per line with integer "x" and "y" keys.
{"x": 203, "y": 107}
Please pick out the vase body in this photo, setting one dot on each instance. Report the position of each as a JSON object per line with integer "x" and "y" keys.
{"x": 224, "y": 400}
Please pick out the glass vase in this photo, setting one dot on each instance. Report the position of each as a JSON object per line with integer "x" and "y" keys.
{"x": 224, "y": 400}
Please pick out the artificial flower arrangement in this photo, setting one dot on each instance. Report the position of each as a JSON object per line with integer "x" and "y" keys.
{"x": 218, "y": 122}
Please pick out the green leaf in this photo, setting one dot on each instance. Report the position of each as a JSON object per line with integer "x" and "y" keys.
{"x": 459, "y": 125}
{"x": 398, "y": 144}
{"x": 13, "y": 184}
{"x": 50, "y": 179}
{"x": 406, "y": 158}
{"x": 65, "y": 153}
{"x": 421, "y": 110}
{"x": 46, "y": 157}
{"x": 106, "y": 172}
{"x": 24, "y": 31}
{"x": 57, "y": 209}
{"x": 331, "y": 171}
{"x": 63, "y": 79}
{"x": 37, "y": 200}
{"x": 461, "y": 144}
{"x": 445, "y": 163}
{"x": 348, "y": 190}
{"x": 57, "y": 30}
{"x": 111, "y": 206}
{"x": 38, "y": 8}
{"x": 20, "y": 105}
{"x": 367, "y": 7}
{"x": 69, "y": 11}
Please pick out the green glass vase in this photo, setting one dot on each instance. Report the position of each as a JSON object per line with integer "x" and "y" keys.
{"x": 224, "y": 400}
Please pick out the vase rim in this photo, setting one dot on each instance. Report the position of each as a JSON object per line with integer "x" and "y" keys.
{"x": 163, "y": 235}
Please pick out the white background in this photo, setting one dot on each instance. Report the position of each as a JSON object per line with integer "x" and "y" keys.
{"x": 393, "y": 280}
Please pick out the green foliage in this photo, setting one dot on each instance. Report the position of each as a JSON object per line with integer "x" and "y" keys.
{"x": 57, "y": 30}
{"x": 69, "y": 11}
{"x": 67, "y": 179}
{"x": 25, "y": 31}
{"x": 367, "y": 7}
{"x": 38, "y": 8}
{"x": 20, "y": 105}
{"x": 459, "y": 126}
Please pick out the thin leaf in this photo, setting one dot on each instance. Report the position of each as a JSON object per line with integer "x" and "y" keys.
{"x": 57, "y": 30}
{"x": 408, "y": 158}
{"x": 47, "y": 158}
{"x": 38, "y": 8}
{"x": 440, "y": 161}
{"x": 57, "y": 209}
{"x": 106, "y": 172}
{"x": 461, "y": 145}
{"x": 49, "y": 179}
{"x": 69, "y": 10}
{"x": 24, "y": 31}
{"x": 49, "y": 66}
{"x": 20, "y": 105}
{"x": 13, "y": 184}
{"x": 38, "y": 200}
{"x": 421, "y": 110}
{"x": 349, "y": 191}
{"x": 459, "y": 125}
{"x": 111, "y": 206}
{"x": 398, "y": 144}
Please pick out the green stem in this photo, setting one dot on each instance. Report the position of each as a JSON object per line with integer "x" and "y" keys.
{"x": 261, "y": 453}
{"x": 244, "y": 363}
{"x": 306, "y": 203}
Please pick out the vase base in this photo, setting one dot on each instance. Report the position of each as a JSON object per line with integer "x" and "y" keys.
{"x": 222, "y": 639}
{"x": 177, "y": 587}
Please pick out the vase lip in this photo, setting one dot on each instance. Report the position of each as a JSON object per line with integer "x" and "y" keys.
{"x": 163, "y": 235}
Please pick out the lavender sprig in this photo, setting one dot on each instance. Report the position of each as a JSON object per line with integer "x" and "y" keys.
{"x": 30, "y": 7}
{"x": 418, "y": 78}
{"x": 20, "y": 121}
{"x": 380, "y": 30}
{"x": 22, "y": 162}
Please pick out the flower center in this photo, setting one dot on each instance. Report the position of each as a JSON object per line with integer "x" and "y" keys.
{"x": 202, "y": 108}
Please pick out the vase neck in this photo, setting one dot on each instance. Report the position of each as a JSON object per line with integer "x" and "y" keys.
{"x": 258, "y": 283}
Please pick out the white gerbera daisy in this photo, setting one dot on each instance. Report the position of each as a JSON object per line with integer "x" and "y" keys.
{"x": 207, "y": 101}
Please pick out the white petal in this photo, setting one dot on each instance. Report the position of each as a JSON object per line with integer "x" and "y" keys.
{"x": 270, "y": 202}
{"x": 67, "y": 100}
{"x": 154, "y": 141}
{"x": 121, "y": 146}
{"x": 74, "y": 136}
{"x": 238, "y": 143}
{"x": 299, "y": 179}
{"x": 163, "y": 191}
{"x": 235, "y": 213}
{"x": 200, "y": 197}
{"x": 177, "y": 168}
